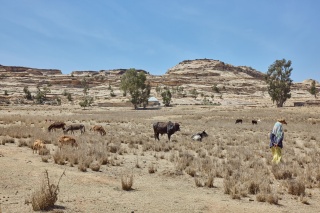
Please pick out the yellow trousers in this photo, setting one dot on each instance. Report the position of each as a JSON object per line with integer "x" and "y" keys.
{"x": 276, "y": 152}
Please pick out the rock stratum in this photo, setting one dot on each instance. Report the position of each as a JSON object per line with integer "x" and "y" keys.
{"x": 192, "y": 82}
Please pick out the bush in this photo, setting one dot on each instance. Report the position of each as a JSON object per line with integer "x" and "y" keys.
{"x": 47, "y": 195}
{"x": 127, "y": 182}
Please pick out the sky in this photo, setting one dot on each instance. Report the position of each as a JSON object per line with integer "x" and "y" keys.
{"x": 156, "y": 35}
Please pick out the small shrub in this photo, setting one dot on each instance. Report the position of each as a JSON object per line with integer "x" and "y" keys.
{"x": 253, "y": 188}
{"x": 272, "y": 199}
{"x": 198, "y": 182}
{"x": 44, "y": 151}
{"x": 47, "y": 195}
{"x": 7, "y": 140}
{"x": 23, "y": 142}
{"x": 82, "y": 167}
{"x": 210, "y": 181}
{"x": 95, "y": 166}
{"x": 152, "y": 168}
{"x": 261, "y": 197}
{"x": 127, "y": 182}
{"x": 296, "y": 187}
{"x": 45, "y": 158}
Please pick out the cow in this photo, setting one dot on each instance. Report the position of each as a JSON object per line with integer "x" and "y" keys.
{"x": 98, "y": 128}
{"x": 168, "y": 128}
{"x": 37, "y": 145}
{"x": 254, "y": 122}
{"x": 238, "y": 121}
{"x": 56, "y": 125}
{"x": 73, "y": 127}
{"x": 199, "y": 136}
{"x": 67, "y": 140}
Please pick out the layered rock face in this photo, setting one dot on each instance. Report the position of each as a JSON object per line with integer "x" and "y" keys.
{"x": 15, "y": 71}
{"x": 191, "y": 82}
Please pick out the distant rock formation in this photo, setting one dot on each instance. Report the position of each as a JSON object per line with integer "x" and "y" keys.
{"x": 207, "y": 67}
{"x": 16, "y": 71}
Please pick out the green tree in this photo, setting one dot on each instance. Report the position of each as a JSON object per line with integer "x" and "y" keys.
{"x": 279, "y": 81}
{"x": 194, "y": 93}
{"x": 313, "y": 89}
{"x": 166, "y": 97}
{"x": 86, "y": 102}
{"x": 86, "y": 99}
{"x": 27, "y": 93}
{"x": 135, "y": 84}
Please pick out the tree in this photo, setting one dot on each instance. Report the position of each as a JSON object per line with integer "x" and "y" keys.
{"x": 279, "y": 81}
{"x": 135, "y": 84}
{"x": 27, "y": 93}
{"x": 166, "y": 97}
{"x": 313, "y": 89}
{"x": 86, "y": 100}
{"x": 41, "y": 95}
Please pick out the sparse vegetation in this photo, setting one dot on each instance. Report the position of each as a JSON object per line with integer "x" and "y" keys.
{"x": 47, "y": 195}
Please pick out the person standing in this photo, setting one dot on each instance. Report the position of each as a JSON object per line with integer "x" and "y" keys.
{"x": 276, "y": 138}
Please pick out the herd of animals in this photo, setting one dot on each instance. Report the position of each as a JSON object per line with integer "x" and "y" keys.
{"x": 159, "y": 128}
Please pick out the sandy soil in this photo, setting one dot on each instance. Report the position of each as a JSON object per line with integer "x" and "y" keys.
{"x": 21, "y": 173}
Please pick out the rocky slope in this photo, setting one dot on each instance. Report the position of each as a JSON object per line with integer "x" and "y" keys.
{"x": 200, "y": 81}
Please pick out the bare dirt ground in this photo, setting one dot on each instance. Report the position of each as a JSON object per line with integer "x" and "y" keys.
{"x": 166, "y": 190}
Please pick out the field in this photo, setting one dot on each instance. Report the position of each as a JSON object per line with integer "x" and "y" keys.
{"x": 126, "y": 170}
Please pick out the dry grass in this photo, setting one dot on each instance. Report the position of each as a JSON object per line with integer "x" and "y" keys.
{"x": 127, "y": 182}
{"x": 238, "y": 154}
{"x": 47, "y": 194}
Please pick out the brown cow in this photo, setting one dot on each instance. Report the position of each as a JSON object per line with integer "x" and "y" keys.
{"x": 99, "y": 129}
{"x": 165, "y": 128}
{"x": 37, "y": 145}
{"x": 67, "y": 140}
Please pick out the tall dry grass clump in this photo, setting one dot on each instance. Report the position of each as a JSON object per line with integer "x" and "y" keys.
{"x": 127, "y": 182}
{"x": 47, "y": 195}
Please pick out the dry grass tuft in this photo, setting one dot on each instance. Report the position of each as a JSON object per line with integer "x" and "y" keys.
{"x": 272, "y": 199}
{"x": 253, "y": 188}
{"x": 198, "y": 182}
{"x": 95, "y": 166}
{"x": 296, "y": 187}
{"x": 261, "y": 197}
{"x": 47, "y": 195}
{"x": 127, "y": 182}
{"x": 151, "y": 168}
{"x": 210, "y": 181}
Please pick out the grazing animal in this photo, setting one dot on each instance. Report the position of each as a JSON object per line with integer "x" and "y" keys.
{"x": 37, "y": 145}
{"x": 168, "y": 128}
{"x": 199, "y": 136}
{"x": 67, "y": 140}
{"x": 99, "y": 129}
{"x": 254, "y": 122}
{"x": 238, "y": 121}
{"x": 56, "y": 125}
{"x": 73, "y": 127}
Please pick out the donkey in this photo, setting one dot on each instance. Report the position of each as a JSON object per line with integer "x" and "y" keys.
{"x": 73, "y": 127}
{"x": 56, "y": 125}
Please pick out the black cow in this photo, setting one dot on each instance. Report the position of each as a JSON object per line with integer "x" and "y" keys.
{"x": 168, "y": 128}
{"x": 254, "y": 122}
{"x": 199, "y": 136}
{"x": 238, "y": 121}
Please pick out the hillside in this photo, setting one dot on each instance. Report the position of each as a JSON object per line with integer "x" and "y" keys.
{"x": 214, "y": 81}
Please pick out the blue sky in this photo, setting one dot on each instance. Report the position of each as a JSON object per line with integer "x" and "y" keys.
{"x": 156, "y": 35}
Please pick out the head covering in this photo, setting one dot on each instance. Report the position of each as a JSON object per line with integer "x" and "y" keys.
{"x": 282, "y": 120}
